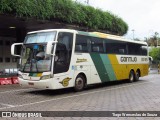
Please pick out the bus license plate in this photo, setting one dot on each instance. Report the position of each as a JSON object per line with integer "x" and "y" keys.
{"x": 30, "y": 83}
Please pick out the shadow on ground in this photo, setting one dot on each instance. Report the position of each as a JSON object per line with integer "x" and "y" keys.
{"x": 71, "y": 90}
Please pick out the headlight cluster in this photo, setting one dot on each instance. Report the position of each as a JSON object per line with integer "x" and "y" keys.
{"x": 45, "y": 77}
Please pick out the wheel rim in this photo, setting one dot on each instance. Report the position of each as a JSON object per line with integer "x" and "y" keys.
{"x": 131, "y": 76}
{"x": 137, "y": 75}
{"x": 79, "y": 83}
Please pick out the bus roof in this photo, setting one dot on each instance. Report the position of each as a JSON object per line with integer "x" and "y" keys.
{"x": 93, "y": 34}
{"x": 110, "y": 36}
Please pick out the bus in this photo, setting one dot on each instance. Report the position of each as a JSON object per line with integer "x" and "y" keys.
{"x": 63, "y": 58}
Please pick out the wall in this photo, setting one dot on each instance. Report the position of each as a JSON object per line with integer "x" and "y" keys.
{"x": 6, "y": 59}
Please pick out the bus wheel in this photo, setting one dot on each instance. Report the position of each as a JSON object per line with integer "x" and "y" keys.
{"x": 79, "y": 83}
{"x": 131, "y": 76}
{"x": 137, "y": 75}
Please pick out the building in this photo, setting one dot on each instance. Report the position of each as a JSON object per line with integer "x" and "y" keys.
{"x": 13, "y": 30}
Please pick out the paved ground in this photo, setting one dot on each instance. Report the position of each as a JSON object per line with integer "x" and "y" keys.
{"x": 143, "y": 95}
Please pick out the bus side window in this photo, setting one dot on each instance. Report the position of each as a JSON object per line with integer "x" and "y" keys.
{"x": 97, "y": 45}
{"x": 78, "y": 48}
{"x": 82, "y": 44}
{"x": 137, "y": 49}
{"x": 115, "y": 47}
{"x": 63, "y": 52}
{"x": 144, "y": 50}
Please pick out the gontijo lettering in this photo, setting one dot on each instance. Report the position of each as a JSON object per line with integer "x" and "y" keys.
{"x": 128, "y": 59}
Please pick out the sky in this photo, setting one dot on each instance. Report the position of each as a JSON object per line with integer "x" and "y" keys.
{"x": 142, "y": 16}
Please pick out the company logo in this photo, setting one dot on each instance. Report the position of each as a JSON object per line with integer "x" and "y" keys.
{"x": 65, "y": 82}
{"x": 128, "y": 59}
{"x": 81, "y": 60}
{"x": 6, "y": 114}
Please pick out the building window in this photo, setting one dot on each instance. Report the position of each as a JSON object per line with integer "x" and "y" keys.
{"x": 7, "y": 59}
{"x": 1, "y": 59}
{"x": 1, "y": 42}
{"x": 7, "y": 43}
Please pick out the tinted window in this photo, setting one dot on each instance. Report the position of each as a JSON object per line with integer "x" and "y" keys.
{"x": 115, "y": 47}
{"x": 97, "y": 45}
{"x": 133, "y": 49}
{"x": 137, "y": 49}
{"x": 144, "y": 50}
{"x": 82, "y": 43}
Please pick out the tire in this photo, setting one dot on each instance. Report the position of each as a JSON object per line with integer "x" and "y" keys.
{"x": 137, "y": 75}
{"x": 131, "y": 76}
{"x": 79, "y": 83}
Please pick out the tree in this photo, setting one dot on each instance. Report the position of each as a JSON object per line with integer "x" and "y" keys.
{"x": 153, "y": 40}
{"x": 65, "y": 12}
{"x": 155, "y": 53}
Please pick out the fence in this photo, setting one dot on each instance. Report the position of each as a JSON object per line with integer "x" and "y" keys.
{"x": 9, "y": 76}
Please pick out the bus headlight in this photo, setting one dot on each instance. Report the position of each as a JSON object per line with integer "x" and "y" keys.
{"x": 45, "y": 77}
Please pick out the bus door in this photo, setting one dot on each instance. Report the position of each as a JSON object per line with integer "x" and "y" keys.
{"x": 63, "y": 53}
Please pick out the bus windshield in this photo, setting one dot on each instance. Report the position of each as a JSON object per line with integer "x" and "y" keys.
{"x": 42, "y": 37}
{"x": 33, "y": 57}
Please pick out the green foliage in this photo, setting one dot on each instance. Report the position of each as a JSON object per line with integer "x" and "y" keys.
{"x": 6, "y": 5}
{"x": 66, "y": 11}
{"x": 155, "y": 53}
{"x": 154, "y": 40}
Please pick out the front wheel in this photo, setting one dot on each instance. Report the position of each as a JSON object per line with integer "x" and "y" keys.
{"x": 131, "y": 76}
{"x": 79, "y": 83}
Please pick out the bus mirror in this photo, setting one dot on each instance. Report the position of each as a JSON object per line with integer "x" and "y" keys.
{"x": 13, "y": 48}
{"x": 49, "y": 47}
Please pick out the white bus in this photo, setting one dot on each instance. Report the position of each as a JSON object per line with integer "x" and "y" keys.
{"x": 62, "y": 58}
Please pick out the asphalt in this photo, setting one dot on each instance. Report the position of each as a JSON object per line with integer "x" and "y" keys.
{"x": 143, "y": 95}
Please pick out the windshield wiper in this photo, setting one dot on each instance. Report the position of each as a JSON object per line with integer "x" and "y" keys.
{"x": 28, "y": 61}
